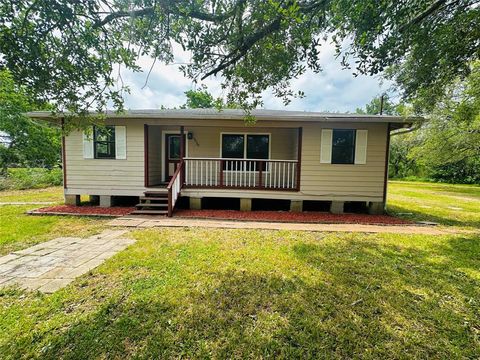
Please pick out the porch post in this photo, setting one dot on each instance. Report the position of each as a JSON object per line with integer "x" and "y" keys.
{"x": 299, "y": 156}
{"x": 182, "y": 154}
{"x": 145, "y": 154}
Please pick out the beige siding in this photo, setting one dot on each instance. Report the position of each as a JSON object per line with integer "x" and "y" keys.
{"x": 318, "y": 181}
{"x": 332, "y": 180}
{"x": 92, "y": 176}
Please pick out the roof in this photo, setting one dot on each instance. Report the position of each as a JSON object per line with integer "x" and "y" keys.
{"x": 236, "y": 114}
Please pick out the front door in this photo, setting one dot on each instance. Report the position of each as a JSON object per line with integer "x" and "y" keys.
{"x": 172, "y": 154}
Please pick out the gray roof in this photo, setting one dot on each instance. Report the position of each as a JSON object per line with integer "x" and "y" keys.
{"x": 236, "y": 114}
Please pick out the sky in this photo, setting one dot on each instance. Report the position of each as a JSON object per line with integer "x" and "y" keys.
{"x": 333, "y": 90}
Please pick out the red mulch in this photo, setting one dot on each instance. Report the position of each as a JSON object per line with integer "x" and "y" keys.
{"x": 86, "y": 210}
{"x": 285, "y": 216}
{"x": 279, "y": 216}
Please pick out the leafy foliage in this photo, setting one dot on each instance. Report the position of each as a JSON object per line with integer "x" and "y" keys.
{"x": 71, "y": 53}
{"x": 452, "y": 134}
{"x": 447, "y": 147}
{"x": 202, "y": 99}
{"x": 25, "y": 142}
{"x": 31, "y": 178}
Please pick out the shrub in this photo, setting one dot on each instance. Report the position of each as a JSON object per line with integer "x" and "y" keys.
{"x": 31, "y": 178}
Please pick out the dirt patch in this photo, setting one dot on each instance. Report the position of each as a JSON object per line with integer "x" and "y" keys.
{"x": 298, "y": 217}
{"x": 84, "y": 210}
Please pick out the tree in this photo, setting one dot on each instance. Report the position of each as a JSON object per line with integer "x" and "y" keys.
{"x": 201, "y": 99}
{"x": 68, "y": 52}
{"x": 24, "y": 141}
{"x": 447, "y": 145}
{"x": 452, "y": 134}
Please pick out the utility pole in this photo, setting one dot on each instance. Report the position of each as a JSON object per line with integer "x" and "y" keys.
{"x": 381, "y": 104}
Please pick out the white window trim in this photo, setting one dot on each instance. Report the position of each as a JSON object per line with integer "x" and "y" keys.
{"x": 245, "y": 147}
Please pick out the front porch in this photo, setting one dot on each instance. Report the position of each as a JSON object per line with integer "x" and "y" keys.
{"x": 251, "y": 159}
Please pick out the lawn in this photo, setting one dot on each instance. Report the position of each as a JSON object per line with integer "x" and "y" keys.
{"x": 203, "y": 293}
{"x": 19, "y": 230}
{"x": 253, "y": 294}
{"x": 446, "y": 204}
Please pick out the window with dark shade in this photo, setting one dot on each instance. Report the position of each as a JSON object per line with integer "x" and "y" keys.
{"x": 257, "y": 146}
{"x": 343, "y": 146}
{"x": 246, "y": 146}
{"x": 174, "y": 147}
{"x": 233, "y": 146}
{"x": 104, "y": 142}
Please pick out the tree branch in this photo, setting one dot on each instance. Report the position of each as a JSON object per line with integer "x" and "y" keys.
{"x": 247, "y": 44}
{"x": 422, "y": 16}
{"x": 195, "y": 14}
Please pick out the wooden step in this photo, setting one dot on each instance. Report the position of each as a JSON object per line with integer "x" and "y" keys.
{"x": 165, "y": 198}
{"x": 152, "y": 205}
{"x": 149, "y": 212}
{"x": 156, "y": 192}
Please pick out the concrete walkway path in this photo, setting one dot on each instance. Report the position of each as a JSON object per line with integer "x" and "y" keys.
{"x": 155, "y": 221}
{"x": 52, "y": 265}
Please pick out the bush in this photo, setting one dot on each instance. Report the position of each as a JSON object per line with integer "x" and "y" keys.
{"x": 31, "y": 178}
{"x": 462, "y": 172}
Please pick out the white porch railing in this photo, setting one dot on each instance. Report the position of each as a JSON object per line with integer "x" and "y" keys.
{"x": 241, "y": 173}
{"x": 174, "y": 187}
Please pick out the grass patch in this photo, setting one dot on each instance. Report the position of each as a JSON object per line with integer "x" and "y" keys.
{"x": 51, "y": 194}
{"x": 193, "y": 293}
{"x": 19, "y": 230}
{"x": 446, "y": 204}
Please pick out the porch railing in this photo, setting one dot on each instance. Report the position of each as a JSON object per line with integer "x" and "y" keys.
{"x": 241, "y": 173}
{"x": 174, "y": 187}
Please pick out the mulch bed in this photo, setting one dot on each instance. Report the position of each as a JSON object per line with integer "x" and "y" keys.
{"x": 83, "y": 210}
{"x": 300, "y": 217}
{"x": 273, "y": 216}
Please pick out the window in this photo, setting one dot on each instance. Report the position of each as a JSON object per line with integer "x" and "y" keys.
{"x": 246, "y": 146}
{"x": 233, "y": 146}
{"x": 343, "y": 146}
{"x": 104, "y": 142}
{"x": 257, "y": 146}
{"x": 174, "y": 147}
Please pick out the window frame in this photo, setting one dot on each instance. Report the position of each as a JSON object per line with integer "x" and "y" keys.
{"x": 245, "y": 141}
{"x": 109, "y": 143}
{"x": 354, "y": 144}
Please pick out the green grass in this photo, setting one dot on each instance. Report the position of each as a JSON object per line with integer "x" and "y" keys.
{"x": 19, "y": 230}
{"x": 447, "y": 204}
{"x": 259, "y": 294}
{"x": 31, "y": 178}
{"x": 51, "y": 194}
{"x": 195, "y": 293}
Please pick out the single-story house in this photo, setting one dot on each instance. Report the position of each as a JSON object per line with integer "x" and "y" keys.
{"x": 162, "y": 155}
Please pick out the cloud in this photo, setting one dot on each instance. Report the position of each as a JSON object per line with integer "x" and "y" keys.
{"x": 333, "y": 89}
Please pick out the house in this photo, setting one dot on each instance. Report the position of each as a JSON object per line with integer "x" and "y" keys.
{"x": 162, "y": 155}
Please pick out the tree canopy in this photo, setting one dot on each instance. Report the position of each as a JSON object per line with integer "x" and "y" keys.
{"x": 71, "y": 52}
{"x": 447, "y": 145}
{"x": 24, "y": 141}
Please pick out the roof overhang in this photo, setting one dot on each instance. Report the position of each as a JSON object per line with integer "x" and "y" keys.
{"x": 237, "y": 114}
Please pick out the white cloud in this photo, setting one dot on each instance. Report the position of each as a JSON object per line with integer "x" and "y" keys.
{"x": 334, "y": 89}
